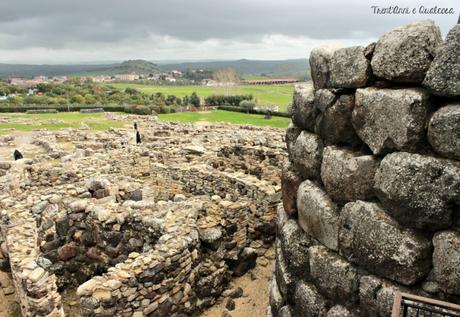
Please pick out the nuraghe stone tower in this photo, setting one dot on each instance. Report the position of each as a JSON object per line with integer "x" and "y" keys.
{"x": 371, "y": 190}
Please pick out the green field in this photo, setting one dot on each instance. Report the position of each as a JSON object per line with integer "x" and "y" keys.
{"x": 57, "y": 121}
{"x": 280, "y": 95}
{"x": 98, "y": 122}
{"x": 226, "y": 116}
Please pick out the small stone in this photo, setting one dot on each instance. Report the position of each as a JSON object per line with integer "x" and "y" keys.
{"x": 36, "y": 274}
{"x": 87, "y": 288}
{"x": 236, "y": 293}
{"x": 230, "y": 305}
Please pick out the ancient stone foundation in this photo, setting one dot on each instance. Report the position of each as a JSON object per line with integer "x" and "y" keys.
{"x": 371, "y": 190}
{"x": 152, "y": 230}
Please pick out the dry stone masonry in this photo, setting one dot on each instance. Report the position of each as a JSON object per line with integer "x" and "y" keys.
{"x": 371, "y": 187}
{"x": 152, "y": 230}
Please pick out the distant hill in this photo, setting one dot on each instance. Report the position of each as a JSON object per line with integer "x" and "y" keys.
{"x": 138, "y": 66}
{"x": 275, "y": 68}
{"x": 297, "y": 68}
{"x": 131, "y": 66}
{"x": 23, "y": 70}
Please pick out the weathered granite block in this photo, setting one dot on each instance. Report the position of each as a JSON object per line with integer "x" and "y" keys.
{"x": 290, "y": 181}
{"x": 376, "y": 296}
{"x": 276, "y": 299}
{"x": 340, "y": 311}
{"x": 308, "y": 301}
{"x": 348, "y": 175}
{"x": 372, "y": 239}
{"x": 444, "y": 131}
{"x": 303, "y": 107}
{"x": 306, "y": 154}
{"x": 418, "y": 191}
{"x": 320, "y": 60}
{"x": 334, "y": 124}
{"x": 295, "y": 243}
{"x": 391, "y": 119}
{"x": 405, "y": 54}
{"x": 446, "y": 261}
{"x": 443, "y": 76}
{"x": 333, "y": 276}
{"x": 284, "y": 279}
{"x": 349, "y": 68}
{"x": 318, "y": 215}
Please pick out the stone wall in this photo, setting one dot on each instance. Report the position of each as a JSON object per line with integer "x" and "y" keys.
{"x": 153, "y": 230}
{"x": 371, "y": 190}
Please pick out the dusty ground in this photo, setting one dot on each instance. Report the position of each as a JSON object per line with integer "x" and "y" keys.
{"x": 255, "y": 285}
{"x": 8, "y": 305}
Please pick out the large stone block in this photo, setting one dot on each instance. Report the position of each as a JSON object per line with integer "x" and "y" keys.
{"x": 405, "y": 54}
{"x": 292, "y": 132}
{"x": 281, "y": 217}
{"x": 333, "y": 276}
{"x": 376, "y": 296}
{"x": 286, "y": 311}
{"x": 391, "y": 119}
{"x": 373, "y": 240}
{"x": 308, "y": 301}
{"x": 290, "y": 181}
{"x": 303, "y": 107}
{"x": 446, "y": 261}
{"x": 418, "y": 191}
{"x": 340, "y": 311}
{"x": 443, "y": 76}
{"x": 284, "y": 279}
{"x": 318, "y": 215}
{"x": 349, "y": 68}
{"x": 276, "y": 299}
{"x": 320, "y": 60}
{"x": 444, "y": 131}
{"x": 348, "y": 175}
{"x": 324, "y": 98}
{"x": 334, "y": 124}
{"x": 306, "y": 154}
{"x": 295, "y": 243}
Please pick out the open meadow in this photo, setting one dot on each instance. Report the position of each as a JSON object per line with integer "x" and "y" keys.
{"x": 280, "y": 95}
{"x": 12, "y": 122}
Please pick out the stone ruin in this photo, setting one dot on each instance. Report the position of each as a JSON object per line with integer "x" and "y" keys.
{"x": 153, "y": 230}
{"x": 371, "y": 190}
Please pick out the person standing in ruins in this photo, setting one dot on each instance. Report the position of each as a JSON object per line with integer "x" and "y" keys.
{"x": 123, "y": 141}
{"x": 138, "y": 137}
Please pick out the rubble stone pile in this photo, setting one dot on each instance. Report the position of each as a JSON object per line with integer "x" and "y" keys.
{"x": 153, "y": 230}
{"x": 371, "y": 189}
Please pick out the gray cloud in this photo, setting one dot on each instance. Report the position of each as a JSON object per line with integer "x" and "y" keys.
{"x": 55, "y": 26}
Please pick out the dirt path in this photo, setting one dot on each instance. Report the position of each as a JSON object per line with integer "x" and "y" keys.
{"x": 255, "y": 285}
{"x": 8, "y": 302}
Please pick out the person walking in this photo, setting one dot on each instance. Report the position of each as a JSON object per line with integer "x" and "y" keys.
{"x": 138, "y": 137}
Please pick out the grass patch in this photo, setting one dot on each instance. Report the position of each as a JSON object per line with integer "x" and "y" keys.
{"x": 226, "y": 116}
{"x": 280, "y": 95}
{"x": 58, "y": 121}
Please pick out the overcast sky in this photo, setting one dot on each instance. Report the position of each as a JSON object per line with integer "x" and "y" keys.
{"x": 76, "y": 31}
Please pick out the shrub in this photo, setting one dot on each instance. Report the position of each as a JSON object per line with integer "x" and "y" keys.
{"x": 246, "y": 104}
{"x": 140, "y": 110}
{"x": 219, "y": 100}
